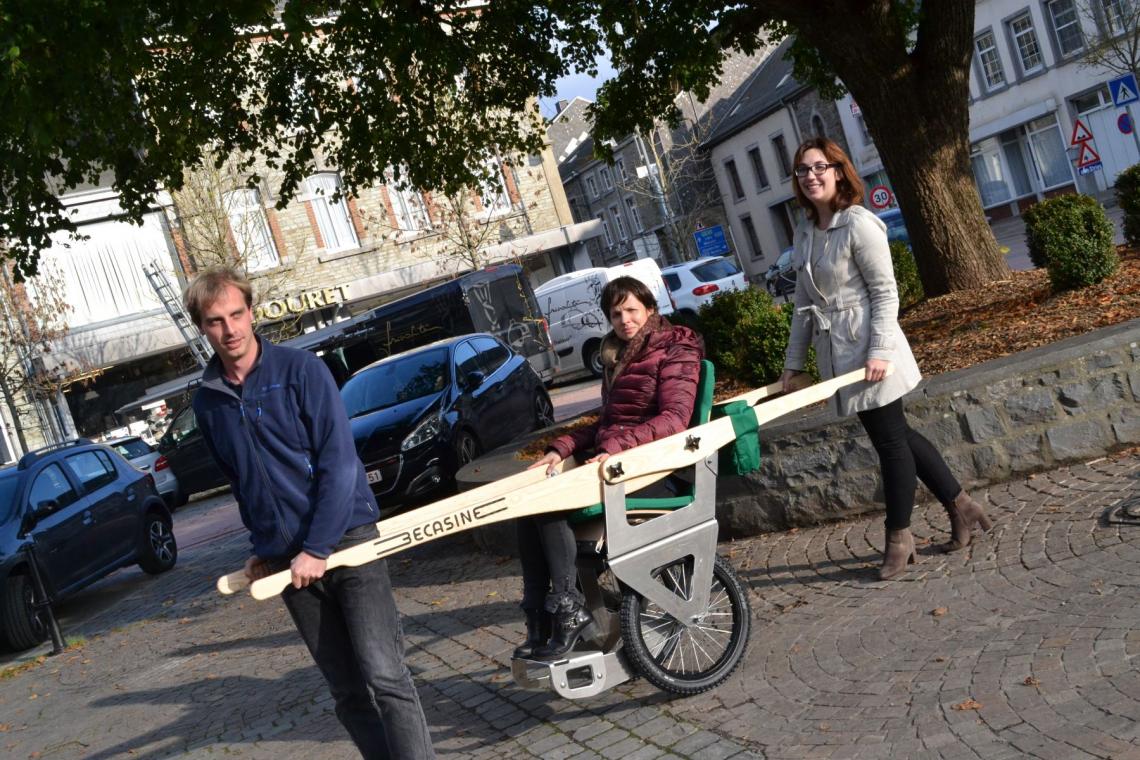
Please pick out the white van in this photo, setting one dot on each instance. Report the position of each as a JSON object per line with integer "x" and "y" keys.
{"x": 577, "y": 323}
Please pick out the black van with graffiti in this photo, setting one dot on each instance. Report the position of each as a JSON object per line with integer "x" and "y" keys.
{"x": 497, "y": 300}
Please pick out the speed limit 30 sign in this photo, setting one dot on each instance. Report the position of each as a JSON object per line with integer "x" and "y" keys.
{"x": 881, "y": 197}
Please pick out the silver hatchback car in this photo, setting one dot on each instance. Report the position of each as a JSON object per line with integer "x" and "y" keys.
{"x": 145, "y": 457}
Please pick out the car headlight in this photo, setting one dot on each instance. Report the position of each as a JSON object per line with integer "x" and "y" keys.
{"x": 423, "y": 433}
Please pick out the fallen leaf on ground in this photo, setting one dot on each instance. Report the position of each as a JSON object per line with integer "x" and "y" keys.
{"x": 1031, "y": 681}
{"x": 939, "y": 611}
{"x": 969, "y": 704}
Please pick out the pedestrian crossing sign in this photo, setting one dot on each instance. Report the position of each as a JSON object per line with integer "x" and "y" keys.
{"x": 1124, "y": 90}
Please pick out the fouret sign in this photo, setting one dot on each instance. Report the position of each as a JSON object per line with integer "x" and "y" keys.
{"x": 300, "y": 302}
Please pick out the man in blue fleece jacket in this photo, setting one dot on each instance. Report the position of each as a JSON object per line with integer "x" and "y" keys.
{"x": 276, "y": 425}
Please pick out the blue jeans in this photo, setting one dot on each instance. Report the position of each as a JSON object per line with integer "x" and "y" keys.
{"x": 349, "y": 621}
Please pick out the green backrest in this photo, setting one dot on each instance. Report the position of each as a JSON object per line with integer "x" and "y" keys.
{"x": 706, "y": 384}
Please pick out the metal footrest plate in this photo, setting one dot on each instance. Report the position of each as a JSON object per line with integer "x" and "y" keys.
{"x": 583, "y": 674}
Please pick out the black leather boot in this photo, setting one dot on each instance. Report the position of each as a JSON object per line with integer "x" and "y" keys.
{"x": 570, "y": 622}
{"x": 537, "y": 632}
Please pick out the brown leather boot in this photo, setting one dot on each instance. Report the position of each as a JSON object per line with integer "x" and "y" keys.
{"x": 965, "y": 514}
{"x": 899, "y": 553}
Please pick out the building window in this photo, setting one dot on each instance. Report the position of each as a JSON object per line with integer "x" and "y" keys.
{"x": 251, "y": 230}
{"x": 1115, "y": 16}
{"x": 619, "y": 167}
{"x": 1092, "y": 101}
{"x": 751, "y": 236}
{"x": 757, "y": 162}
{"x": 784, "y": 222}
{"x": 606, "y": 228}
{"x": 634, "y": 215}
{"x": 607, "y": 178}
{"x": 734, "y": 180}
{"x": 619, "y": 221}
{"x": 992, "y": 74}
{"x": 575, "y": 209}
{"x": 1047, "y": 145}
{"x": 409, "y": 209}
{"x": 493, "y": 194}
{"x": 782, "y": 159}
{"x": 1025, "y": 40}
{"x": 989, "y": 173}
{"x": 592, "y": 186}
{"x": 333, "y": 218}
{"x": 817, "y": 125}
{"x": 1066, "y": 27}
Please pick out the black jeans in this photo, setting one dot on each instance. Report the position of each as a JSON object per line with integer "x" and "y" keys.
{"x": 904, "y": 456}
{"x": 548, "y": 553}
{"x": 349, "y": 621}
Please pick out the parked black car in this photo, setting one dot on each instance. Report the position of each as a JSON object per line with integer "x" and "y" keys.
{"x": 89, "y": 513}
{"x": 184, "y": 451}
{"x": 780, "y": 279}
{"x": 421, "y": 415}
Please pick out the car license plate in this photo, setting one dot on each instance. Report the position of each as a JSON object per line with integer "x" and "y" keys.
{"x": 374, "y": 476}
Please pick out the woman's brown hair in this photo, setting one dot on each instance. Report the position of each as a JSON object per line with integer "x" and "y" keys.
{"x": 620, "y": 288}
{"x": 848, "y": 185}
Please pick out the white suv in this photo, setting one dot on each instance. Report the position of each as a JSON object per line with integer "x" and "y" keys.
{"x": 696, "y": 283}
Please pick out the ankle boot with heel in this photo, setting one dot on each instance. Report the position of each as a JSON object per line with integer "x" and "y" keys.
{"x": 538, "y": 624}
{"x": 965, "y": 514}
{"x": 899, "y": 552}
{"x": 570, "y": 622}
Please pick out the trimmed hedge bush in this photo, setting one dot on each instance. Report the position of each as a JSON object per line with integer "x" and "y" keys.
{"x": 1128, "y": 198}
{"x": 906, "y": 274}
{"x": 1072, "y": 236}
{"x": 746, "y": 335}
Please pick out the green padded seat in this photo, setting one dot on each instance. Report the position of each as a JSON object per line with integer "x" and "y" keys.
{"x": 702, "y": 409}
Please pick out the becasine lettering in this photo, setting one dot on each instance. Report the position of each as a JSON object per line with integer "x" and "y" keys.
{"x": 446, "y": 524}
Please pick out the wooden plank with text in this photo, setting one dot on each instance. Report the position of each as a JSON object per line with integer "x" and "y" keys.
{"x": 530, "y": 492}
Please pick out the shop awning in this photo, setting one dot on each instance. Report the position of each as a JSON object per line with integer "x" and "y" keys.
{"x": 165, "y": 390}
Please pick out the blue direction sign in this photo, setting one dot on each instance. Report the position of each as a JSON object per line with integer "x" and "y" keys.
{"x": 710, "y": 241}
{"x": 1124, "y": 90}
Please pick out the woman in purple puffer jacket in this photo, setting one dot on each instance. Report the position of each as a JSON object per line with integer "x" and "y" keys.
{"x": 648, "y": 392}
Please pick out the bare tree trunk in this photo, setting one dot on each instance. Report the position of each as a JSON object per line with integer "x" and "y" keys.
{"x": 10, "y": 402}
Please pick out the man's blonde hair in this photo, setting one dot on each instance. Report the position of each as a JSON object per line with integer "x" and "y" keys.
{"x": 209, "y": 285}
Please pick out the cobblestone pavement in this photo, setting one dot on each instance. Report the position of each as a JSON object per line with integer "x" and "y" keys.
{"x": 1020, "y": 647}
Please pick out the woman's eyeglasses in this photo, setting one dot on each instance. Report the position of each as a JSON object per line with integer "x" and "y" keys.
{"x": 816, "y": 169}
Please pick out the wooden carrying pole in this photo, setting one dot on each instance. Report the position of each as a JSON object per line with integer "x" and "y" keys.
{"x": 530, "y": 492}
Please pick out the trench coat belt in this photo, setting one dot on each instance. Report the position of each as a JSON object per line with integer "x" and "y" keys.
{"x": 815, "y": 314}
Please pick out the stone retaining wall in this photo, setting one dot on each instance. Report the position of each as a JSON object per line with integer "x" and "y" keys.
{"x": 1069, "y": 401}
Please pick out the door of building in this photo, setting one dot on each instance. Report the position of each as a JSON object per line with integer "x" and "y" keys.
{"x": 1117, "y": 150}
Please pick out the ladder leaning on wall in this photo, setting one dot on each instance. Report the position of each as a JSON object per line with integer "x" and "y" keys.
{"x": 195, "y": 341}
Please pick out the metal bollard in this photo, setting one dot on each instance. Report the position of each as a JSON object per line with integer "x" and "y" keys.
{"x": 43, "y": 600}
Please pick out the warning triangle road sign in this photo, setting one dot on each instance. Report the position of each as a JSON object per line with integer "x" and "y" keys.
{"x": 1088, "y": 156}
{"x": 1081, "y": 134}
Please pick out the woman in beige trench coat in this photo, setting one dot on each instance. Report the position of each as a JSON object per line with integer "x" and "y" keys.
{"x": 847, "y": 307}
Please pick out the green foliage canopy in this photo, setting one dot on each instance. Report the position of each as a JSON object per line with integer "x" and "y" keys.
{"x": 138, "y": 92}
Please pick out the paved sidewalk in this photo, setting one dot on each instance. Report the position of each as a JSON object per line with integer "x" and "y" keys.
{"x": 1020, "y": 647}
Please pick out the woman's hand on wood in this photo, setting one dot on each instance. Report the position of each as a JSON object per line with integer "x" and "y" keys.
{"x": 792, "y": 381}
{"x": 876, "y": 370}
{"x": 550, "y": 462}
{"x": 599, "y": 458}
